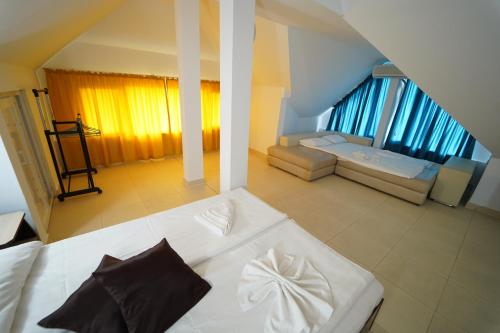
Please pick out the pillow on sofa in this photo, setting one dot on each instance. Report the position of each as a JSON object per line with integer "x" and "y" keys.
{"x": 334, "y": 138}
{"x": 15, "y": 266}
{"x": 89, "y": 309}
{"x": 314, "y": 142}
{"x": 153, "y": 289}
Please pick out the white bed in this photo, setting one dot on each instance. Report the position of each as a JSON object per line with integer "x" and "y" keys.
{"x": 377, "y": 159}
{"x": 61, "y": 267}
{"x": 219, "y": 310}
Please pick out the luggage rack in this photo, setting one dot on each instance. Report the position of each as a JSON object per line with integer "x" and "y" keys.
{"x": 77, "y": 130}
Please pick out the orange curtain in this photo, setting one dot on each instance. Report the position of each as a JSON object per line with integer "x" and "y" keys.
{"x": 139, "y": 117}
{"x": 210, "y": 109}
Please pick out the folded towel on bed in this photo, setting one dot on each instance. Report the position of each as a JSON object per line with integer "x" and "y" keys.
{"x": 218, "y": 219}
{"x": 302, "y": 297}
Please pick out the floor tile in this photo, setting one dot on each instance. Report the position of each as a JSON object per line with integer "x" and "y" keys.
{"x": 424, "y": 285}
{"x": 426, "y": 254}
{"x": 439, "y": 324}
{"x": 462, "y": 307}
{"x": 361, "y": 248}
{"x": 401, "y": 312}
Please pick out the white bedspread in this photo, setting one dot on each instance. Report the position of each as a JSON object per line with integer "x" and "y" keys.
{"x": 219, "y": 310}
{"x": 61, "y": 267}
{"x": 378, "y": 159}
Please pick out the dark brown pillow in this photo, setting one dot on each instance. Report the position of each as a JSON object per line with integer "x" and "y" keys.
{"x": 89, "y": 309}
{"x": 153, "y": 289}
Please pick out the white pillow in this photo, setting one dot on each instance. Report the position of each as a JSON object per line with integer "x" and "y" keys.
{"x": 314, "y": 142}
{"x": 335, "y": 138}
{"x": 15, "y": 266}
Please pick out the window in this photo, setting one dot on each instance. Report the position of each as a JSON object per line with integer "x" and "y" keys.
{"x": 422, "y": 129}
{"x": 359, "y": 112}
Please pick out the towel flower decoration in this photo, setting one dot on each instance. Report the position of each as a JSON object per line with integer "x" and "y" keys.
{"x": 302, "y": 297}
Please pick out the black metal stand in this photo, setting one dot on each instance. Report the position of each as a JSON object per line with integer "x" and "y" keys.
{"x": 78, "y": 130}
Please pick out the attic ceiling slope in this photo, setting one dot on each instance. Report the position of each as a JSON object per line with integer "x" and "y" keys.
{"x": 449, "y": 48}
{"x": 317, "y": 15}
{"x": 32, "y": 31}
{"x": 324, "y": 68}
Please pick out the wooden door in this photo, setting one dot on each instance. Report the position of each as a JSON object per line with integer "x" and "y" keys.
{"x": 35, "y": 183}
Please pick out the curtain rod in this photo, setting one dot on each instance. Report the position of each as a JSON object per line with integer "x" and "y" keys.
{"x": 120, "y": 74}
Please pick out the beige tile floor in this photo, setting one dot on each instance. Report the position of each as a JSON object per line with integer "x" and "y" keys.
{"x": 440, "y": 266}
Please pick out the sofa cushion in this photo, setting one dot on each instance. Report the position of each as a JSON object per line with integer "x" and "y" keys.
{"x": 304, "y": 157}
{"x": 422, "y": 183}
{"x": 299, "y": 171}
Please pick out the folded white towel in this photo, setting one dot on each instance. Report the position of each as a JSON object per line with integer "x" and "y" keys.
{"x": 303, "y": 299}
{"x": 219, "y": 219}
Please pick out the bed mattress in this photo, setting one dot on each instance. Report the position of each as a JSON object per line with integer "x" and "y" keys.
{"x": 422, "y": 183}
{"x": 377, "y": 159}
{"x": 355, "y": 291}
{"x": 61, "y": 267}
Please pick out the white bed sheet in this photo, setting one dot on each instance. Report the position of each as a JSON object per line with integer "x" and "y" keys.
{"x": 361, "y": 310}
{"x": 377, "y": 159}
{"x": 61, "y": 267}
{"x": 219, "y": 310}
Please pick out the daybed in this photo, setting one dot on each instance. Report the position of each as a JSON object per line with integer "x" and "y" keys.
{"x": 414, "y": 189}
{"x": 59, "y": 268}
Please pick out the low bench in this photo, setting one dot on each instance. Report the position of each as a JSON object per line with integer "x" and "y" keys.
{"x": 306, "y": 163}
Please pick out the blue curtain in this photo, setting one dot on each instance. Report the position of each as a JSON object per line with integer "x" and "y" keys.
{"x": 422, "y": 129}
{"x": 359, "y": 112}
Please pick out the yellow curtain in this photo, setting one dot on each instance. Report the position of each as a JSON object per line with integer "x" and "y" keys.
{"x": 210, "y": 109}
{"x": 139, "y": 117}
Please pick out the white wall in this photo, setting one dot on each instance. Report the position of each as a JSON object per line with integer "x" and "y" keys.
{"x": 14, "y": 77}
{"x": 103, "y": 58}
{"x": 487, "y": 193}
{"x": 11, "y": 196}
{"x": 265, "y": 116}
{"x": 325, "y": 68}
{"x": 271, "y": 82}
{"x": 480, "y": 153}
{"x": 271, "y": 64}
{"x": 323, "y": 119}
{"x": 449, "y": 48}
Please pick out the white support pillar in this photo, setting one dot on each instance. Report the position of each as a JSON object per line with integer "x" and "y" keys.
{"x": 187, "y": 32}
{"x": 389, "y": 108}
{"x": 237, "y": 19}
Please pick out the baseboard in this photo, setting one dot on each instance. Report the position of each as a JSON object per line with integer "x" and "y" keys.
{"x": 258, "y": 153}
{"x": 194, "y": 182}
{"x": 483, "y": 210}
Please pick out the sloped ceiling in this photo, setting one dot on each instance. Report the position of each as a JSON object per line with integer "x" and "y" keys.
{"x": 32, "y": 31}
{"x": 315, "y": 15}
{"x": 324, "y": 69}
{"x": 450, "y": 48}
{"x": 327, "y": 56}
{"x": 151, "y": 28}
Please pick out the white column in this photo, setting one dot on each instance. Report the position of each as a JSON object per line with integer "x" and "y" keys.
{"x": 187, "y": 32}
{"x": 387, "y": 113}
{"x": 236, "y": 52}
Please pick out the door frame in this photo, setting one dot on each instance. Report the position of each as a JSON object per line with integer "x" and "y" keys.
{"x": 32, "y": 139}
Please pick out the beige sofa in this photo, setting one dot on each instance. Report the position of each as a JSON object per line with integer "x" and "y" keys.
{"x": 311, "y": 164}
